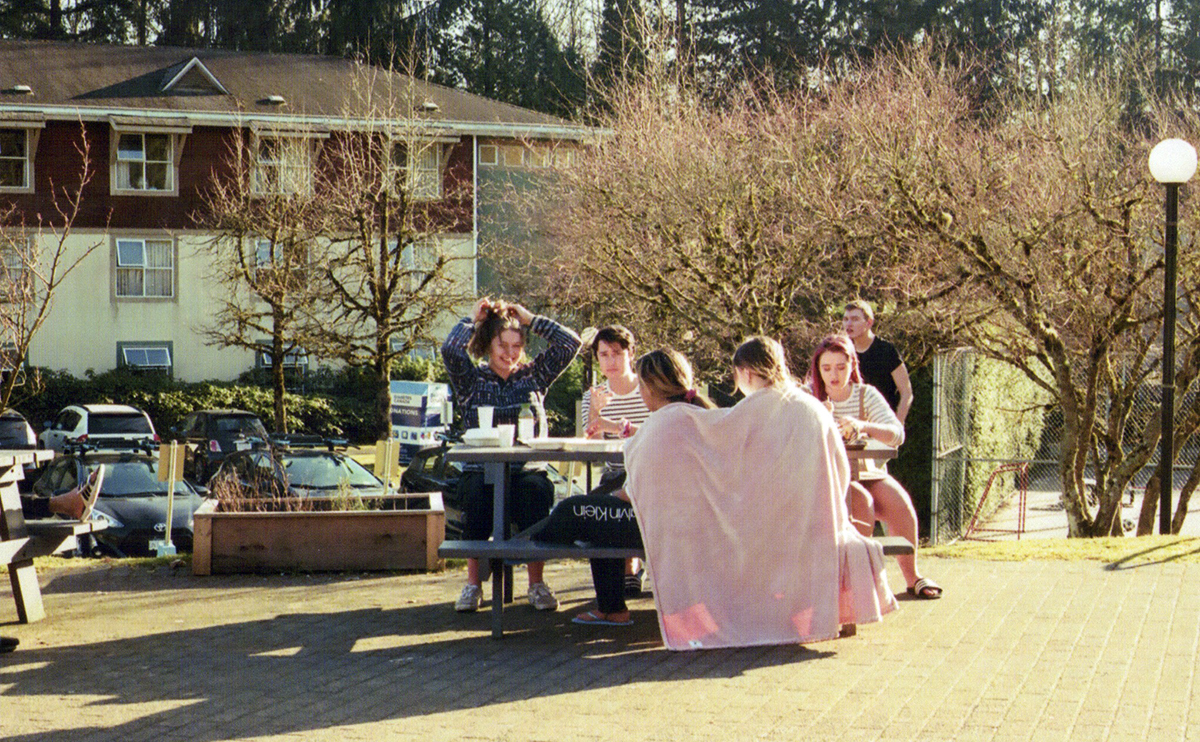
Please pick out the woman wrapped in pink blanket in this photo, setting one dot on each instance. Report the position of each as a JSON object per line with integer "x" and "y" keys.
{"x": 743, "y": 511}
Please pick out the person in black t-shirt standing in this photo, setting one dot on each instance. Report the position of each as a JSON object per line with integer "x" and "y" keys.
{"x": 878, "y": 360}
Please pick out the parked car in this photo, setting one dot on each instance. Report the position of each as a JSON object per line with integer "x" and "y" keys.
{"x": 132, "y": 502}
{"x": 429, "y": 471}
{"x": 299, "y": 472}
{"x": 211, "y": 435}
{"x": 17, "y": 434}
{"x": 15, "y": 431}
{"x": 98, "y": 426}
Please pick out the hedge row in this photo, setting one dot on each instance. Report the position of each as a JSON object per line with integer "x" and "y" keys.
{"x": 323, "y": 402}
{"x": 1004, "y": 421}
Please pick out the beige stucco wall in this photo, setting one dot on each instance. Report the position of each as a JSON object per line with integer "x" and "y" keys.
{"x": 87, "y": 320}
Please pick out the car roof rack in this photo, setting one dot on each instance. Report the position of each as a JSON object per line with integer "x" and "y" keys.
{"x": 143, "y": 445}
{"x": 306, "y": 440}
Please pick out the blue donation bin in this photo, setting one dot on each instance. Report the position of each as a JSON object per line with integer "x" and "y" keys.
{"x": 420, "y": 410}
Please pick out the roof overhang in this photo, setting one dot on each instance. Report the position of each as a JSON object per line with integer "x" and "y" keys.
{"x": 299, "y": 124}
{"x": 151, "y": 124}
{"x": 22, "y": 118}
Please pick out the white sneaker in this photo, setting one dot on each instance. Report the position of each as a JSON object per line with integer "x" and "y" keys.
{"x": 468, "y": 600}
{"x": 541, "y": 598}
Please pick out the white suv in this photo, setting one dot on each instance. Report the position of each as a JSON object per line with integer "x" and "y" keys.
{"x": 100, "y": 426}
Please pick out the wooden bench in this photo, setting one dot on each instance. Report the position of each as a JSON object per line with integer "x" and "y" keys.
{"x": 518, "y": 551}
{"x": 501, "y": 555}
{"x": 22, "y": 540}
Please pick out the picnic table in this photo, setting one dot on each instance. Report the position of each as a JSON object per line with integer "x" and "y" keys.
{"x": 500, "y": 549}
{"x": 872, "y": 449}
{"x": 22, "y": 540}
{"x": 496, "y": 463}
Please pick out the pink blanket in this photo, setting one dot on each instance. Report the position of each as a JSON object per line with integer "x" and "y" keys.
{"x": 743, "y": 514}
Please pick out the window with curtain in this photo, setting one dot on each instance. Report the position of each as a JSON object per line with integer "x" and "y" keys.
{"x": 420, "y": 171}
{"x": 14, "y": 160}
{"x": 145, "y": 269}
{"x": 144, "y": 162}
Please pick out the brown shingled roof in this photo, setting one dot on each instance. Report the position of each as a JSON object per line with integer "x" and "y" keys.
{"x": 77, "y": 76}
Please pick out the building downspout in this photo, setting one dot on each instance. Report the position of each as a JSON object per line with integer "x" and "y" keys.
{"x": 475, "y": 214}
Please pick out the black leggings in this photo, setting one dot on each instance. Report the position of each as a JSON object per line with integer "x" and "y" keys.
{"x": 530, "y": 495}
{"x": 599, "y": 520}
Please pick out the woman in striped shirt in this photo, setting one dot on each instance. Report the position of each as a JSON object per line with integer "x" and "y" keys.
{"x": 862, "y": 412}
{"x": 615, "y": 409}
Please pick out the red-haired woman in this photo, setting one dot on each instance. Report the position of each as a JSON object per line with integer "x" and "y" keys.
{"x": 861, "y": 411}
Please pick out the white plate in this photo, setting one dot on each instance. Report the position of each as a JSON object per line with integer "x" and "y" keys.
{"x": 482, "y": 437}
{"x": 575, "y": 444}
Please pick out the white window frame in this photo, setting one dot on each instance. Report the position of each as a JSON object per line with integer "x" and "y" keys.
{"x": 539, "y": 156}
{"x": 176, "y": 130}
{"x": 489, "y": 155}
{"x": 514, "y": 155}
{"x": 424, "y": 182}
{"x": 292, "y": 165}
{"x": 410, "y": 256}
{"x": 127, "y": 353}
{"x": 125, "y": 160}
{"x": 31, "y": 131}
{"x": 26, "y": 166}
{"x": 15, "y": 269}
{"x": 260, "y": 256}
{"x": 564, "y": 157}
{"x": 293, "y": 359}
{"x": 119, "y": 265}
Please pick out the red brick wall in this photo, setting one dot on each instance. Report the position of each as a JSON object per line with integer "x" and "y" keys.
{"x": 205, "y": 155}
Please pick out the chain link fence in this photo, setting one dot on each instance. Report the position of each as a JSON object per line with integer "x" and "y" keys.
{"x": 988, "y": 418}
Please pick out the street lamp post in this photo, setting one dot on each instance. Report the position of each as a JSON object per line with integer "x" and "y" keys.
{"x": 1172, "y": 163}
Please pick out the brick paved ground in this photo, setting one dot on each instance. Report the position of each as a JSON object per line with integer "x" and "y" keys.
{"x": 1016, "y": 651}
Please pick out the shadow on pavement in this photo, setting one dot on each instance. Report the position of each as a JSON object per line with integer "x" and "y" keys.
{"x": 310, "y": 671}
{"x": 122, "y": 578}
{"x": 1125, "y": 562}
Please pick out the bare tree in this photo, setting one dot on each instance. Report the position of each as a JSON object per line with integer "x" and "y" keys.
{"x": 388, "y": 276}
{"x": 1023, "y": 225}
{"x": 36, "y": 257}
{"x": 695, "y": 224}
{"x": 266, "y": 217}
{"x": 1029, "y": 231}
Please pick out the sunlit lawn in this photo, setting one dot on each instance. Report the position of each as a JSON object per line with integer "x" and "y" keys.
{"x": 1123, "y": 551}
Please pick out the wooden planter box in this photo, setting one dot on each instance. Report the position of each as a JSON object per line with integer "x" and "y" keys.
{"x": 330, "y": 541}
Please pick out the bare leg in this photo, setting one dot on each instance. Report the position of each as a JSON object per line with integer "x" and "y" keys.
{"x": 535, "y": 572}
{"x": 862, "y": 509}
{"x": 473, "y": 572}
{"x": 895, "y": 510}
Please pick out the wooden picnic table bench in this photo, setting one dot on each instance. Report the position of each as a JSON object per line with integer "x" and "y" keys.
{"x": 22, "y": 540}
{"x": 521, "y": 551}
{"x": 500, "y": 555}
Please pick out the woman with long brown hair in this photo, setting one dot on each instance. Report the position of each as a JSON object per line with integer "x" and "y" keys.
{"x": 861, "y": 411}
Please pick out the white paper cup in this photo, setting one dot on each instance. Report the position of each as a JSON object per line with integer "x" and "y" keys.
{"x": 506, "y": 434}
{"x": 485, "y": 416}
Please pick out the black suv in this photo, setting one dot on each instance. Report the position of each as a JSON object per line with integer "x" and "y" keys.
{"x": 212, "y": 435}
